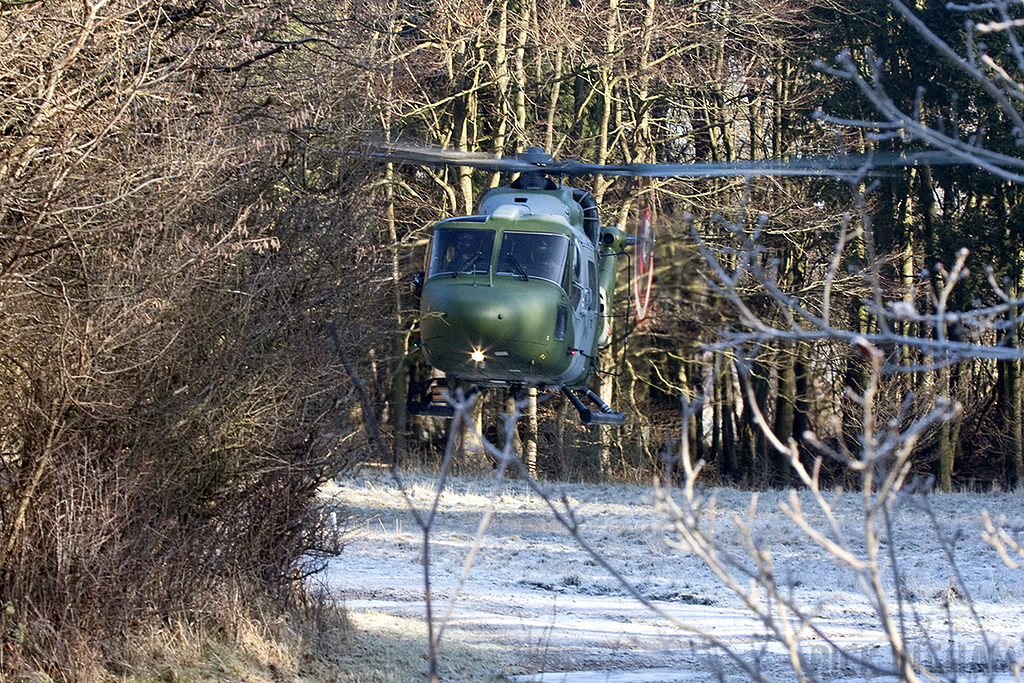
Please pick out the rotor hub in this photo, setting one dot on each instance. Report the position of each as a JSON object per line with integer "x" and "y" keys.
{"x": 535, "y": 155}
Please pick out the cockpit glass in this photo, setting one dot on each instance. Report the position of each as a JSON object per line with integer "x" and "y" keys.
{"x": 458, "y": 251}
{"x": 533, "y": 255}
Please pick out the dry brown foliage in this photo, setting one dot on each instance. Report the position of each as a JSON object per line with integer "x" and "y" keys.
{"x": 169, "y": 396}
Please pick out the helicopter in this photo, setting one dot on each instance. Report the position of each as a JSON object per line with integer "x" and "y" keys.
{"x": 520, "y": 293}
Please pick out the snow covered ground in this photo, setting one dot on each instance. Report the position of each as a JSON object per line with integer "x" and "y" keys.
{"x": 538, "y": 608}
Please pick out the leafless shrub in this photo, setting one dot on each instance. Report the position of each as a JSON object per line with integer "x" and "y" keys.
{"x": 168, "y": 391}
{"x": 880, "y": 457}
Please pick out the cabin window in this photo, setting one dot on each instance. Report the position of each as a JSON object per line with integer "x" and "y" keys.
{"x": 533, "y": 255}
{"x": 458, "y": 251}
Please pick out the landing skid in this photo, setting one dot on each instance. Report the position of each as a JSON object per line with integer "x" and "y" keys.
{"x": 605, "y": 416}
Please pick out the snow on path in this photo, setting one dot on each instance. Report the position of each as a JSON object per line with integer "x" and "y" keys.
{"x": 552, "y": 608}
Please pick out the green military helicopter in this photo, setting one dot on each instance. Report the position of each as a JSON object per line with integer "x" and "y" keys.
{"x": 520, "y": 294}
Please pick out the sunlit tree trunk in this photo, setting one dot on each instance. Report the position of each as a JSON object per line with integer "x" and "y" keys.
{"x": 502, "y": 78}
{"x": 400, "y": 335}
{"x": 518, "y": 447}
{"x": 728, "y": 417}
{"x": 716, "y": 429}
{"x": 465, "y": 115}
{"x": 556, "y": 90}
{"x": 530, "y": 446}
{"x": 519, "y": 65}
{"x": 606, "y": 75}
{"x": 469, "y": 449}
{"x": 946, "y": 444}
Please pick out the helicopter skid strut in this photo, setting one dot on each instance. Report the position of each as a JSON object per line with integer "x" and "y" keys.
{"x": 430, "y": 398}
{"x": 605, "y": 415}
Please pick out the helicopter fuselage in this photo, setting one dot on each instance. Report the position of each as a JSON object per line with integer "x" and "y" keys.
{"x": 519, "y": 294}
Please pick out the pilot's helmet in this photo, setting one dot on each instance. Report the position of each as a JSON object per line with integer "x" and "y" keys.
{"x": 544, "y": 253}
{"x": 466, "y": 243}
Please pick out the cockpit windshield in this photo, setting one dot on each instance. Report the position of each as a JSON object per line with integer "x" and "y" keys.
{"x": 533, "y": 255}
{"x": 458, "y": 251}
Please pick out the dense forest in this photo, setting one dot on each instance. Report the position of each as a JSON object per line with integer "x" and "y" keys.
{"x": 206, "y": 310}
{"x": 719, "y": 82}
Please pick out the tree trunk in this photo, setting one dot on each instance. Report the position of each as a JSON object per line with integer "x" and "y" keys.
{"x": 465, "y": 116}
{"x": 728, "y": 417}
{"x": 1017, "y": 425}
{"x": 947, "y": 446}
{"x": 501, "y": 80}
{"x": 556, "y": 89}
{"x": 802, "y": 412}
{"x": 1009, "y": 386}
{"x": 400, "y": 337}
{"x": 530, "y": 445}
{"x": 607, "y": 76}
{"x": 519, "y": 66}
{"x": 716, "y": 429}
{"x": 469, "y": 450}
{"x": 785, "y": 417}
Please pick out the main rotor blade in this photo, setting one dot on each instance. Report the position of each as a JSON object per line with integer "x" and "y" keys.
{"x": 840, "y": 166}
{"x": 453, "y": 157}
{"x": 843, "y": 166}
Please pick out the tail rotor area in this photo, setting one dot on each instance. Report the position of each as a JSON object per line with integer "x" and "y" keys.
{"x": 643, "y": 275}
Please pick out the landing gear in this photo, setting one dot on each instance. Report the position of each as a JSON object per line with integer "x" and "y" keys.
{"x": 605, "y": 416}
{"x": 429, "y": 398}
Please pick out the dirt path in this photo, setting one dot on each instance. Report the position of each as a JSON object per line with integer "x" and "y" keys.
{"x": 534, "y": 602}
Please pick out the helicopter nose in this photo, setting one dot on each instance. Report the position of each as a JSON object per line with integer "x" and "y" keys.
{"x": 476, "y": 331}
{"x": 477, "y": 324}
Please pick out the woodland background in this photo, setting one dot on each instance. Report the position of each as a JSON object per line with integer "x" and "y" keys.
{"x": 205, "y": 281}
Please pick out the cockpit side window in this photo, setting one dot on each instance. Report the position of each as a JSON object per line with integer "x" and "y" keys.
{"x": 567, "y": 273}
{"x": 592, "y": 271}
{"x": 533, "y": 255}
{"x": 578, "y": 285}
{"x": 458, "y": 251}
